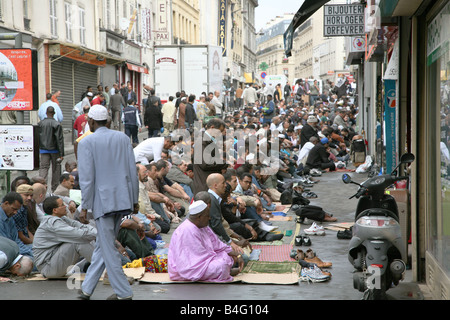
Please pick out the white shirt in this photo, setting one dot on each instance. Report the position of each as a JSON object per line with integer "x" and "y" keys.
{"x": 149, "y": 150}
{"x": 304, "y": 151}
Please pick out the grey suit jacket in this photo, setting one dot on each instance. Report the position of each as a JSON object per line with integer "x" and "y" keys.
{"x": 107, "y": 172}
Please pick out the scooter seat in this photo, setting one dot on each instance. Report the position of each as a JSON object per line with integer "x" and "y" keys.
{"x": 377, "y": 212}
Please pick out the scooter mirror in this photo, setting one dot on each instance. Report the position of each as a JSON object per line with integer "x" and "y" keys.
{"x": 407, "y": 158}
{"x": 346, "y": 178}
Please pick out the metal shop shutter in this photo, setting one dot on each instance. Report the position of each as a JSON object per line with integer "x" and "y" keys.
{"x": 62, "y": 79}
{"x": 84, "y": 75}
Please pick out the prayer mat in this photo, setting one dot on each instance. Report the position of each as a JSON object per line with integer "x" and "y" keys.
{"x": 278, "y": 253}
{"x": 266, "y": 243}
{"x": 271, "y": 267}
{"x": 260, "y": 272}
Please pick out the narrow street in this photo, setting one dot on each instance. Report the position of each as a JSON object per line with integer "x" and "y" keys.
{"x": 333, "y": 197}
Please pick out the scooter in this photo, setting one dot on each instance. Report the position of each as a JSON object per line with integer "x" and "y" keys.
{"x": 376, "y": 246}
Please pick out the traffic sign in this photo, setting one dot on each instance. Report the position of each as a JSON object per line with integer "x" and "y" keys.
{"x": 263, "y": 75}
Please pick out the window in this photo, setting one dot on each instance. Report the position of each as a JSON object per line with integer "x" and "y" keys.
{"x": 107, "y": 14}
{"x": 53, "y": 19}
{"x": 82, "y": 26}
{"x": 68, "y": 20}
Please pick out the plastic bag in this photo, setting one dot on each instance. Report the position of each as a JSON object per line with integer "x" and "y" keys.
{"x": 365, "y": 166}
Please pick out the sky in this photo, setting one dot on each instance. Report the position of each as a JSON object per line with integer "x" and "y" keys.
{"x": 269, "y": 9}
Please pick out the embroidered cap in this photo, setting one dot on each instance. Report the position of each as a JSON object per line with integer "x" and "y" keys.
{"x": 197, "y": 207}
{"x": 98, "y": 113}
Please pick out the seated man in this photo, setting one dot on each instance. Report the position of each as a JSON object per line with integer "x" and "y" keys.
{"x": 171, "y": 189}
{"x": 197, "y": 254}
{"x": 11, "y": 261}
{"x": 11, "y": 204}
{"x": 318, "y": 157}
{"x": 21, "y": 218}
{"x": 162, "y": 205}
{"x": 177, "y": 173}
{"x": 66, "y": 182}
{"x": 243, "y": 190}
{"x": 60, "y": 242}
{"x": 145, "y": 203}
{"x": 132, "y": 235}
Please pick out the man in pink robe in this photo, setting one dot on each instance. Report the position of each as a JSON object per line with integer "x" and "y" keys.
{"x": 197, "y": 254}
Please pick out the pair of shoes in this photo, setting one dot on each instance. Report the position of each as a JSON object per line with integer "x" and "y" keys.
{"x": 302, "y": 240}
{"x": 345, "y": 234}
{"x": 313, "y": 274}
{"x": 315, "y": 230}
{"x": 315, "y": 172}
{"x": 311, "y": 257}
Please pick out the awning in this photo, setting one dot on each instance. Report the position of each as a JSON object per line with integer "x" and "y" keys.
{"x": 136, "y": 68}
{"x": 306, "y": 10}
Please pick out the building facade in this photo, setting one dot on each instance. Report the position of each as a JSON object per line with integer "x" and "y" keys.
{"x": 271, "y": 58}
{"x": 88, "y": 43}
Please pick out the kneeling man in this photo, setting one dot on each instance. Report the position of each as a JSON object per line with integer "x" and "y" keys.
{"x": 196, "y": 252}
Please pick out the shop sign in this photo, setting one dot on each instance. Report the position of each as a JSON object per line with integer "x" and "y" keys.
{"x": 223, "y": 26}
{"x": 438, "y": 35}
{"x": 343, "y": 20}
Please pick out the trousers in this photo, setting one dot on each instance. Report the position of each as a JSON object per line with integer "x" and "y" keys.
{"x": 64, "y": 257}
{"x": 107, "y": 256}
{"x": 48, "y": 159}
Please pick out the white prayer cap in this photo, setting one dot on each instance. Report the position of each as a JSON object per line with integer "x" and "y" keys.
{"x": 98, "y": 113}
{"x": 197, "y": 207}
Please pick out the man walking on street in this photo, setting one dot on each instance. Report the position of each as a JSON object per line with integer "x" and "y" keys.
{"x": 110, "y": 197}
{"x": 51, "y": 147}
{"x": 132, "y": 121}
{"x": 168, "y": 111}
{"x": 116, "y": 103}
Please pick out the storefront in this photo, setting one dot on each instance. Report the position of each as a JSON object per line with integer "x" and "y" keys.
{"x": 71, "y": 71}
{"x": 435, "y": 146}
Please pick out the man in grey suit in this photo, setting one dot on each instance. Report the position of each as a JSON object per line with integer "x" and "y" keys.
{"x": 110, "y": 188}
{"x": 216, "y": 188}
{"x": 116, "y": 103}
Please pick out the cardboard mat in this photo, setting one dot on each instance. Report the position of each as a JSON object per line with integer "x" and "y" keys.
{"x": 135, "y": 273}
{"x": 339, "y": 226}
{"x": 255, "y": 272}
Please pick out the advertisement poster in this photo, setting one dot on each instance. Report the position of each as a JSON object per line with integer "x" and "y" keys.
{"x": 17, "y": 150}
{"x": 18, "y": 92}
{"x": 390, "y": 124}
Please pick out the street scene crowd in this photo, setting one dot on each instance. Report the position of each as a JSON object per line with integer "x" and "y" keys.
{"x": 213, "y": 170}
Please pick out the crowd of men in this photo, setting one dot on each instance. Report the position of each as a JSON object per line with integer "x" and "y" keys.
{"x": 221, "y": 201}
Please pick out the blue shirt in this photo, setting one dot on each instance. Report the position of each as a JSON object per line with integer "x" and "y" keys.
{"x": 42, "y": 113}
{"x": 8, "y": 230}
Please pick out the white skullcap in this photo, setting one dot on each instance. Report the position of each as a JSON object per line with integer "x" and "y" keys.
{"x": 197, "y": 207}
{"x": 98, "y": 113}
